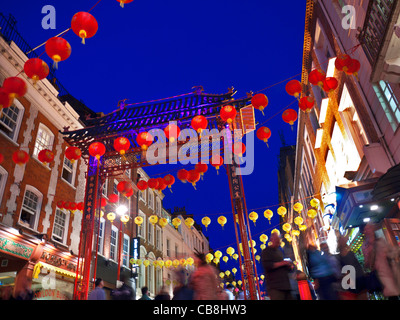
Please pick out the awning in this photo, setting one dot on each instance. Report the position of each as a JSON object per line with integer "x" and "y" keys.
{"x": 60, "y": 271}
{"x": 388, "y": 185}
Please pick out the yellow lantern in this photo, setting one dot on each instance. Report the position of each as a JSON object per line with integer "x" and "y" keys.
{"x": 146, "y": 263}
{"x": 235, "y": 256}
{"x": 288, "y": 237}
{"x": 314, "y": 203}
{"x": 230, "y": 251}
{"x": 295, "y": 232}
{"x": 268, "y": 214}
{"x": 153, "y": 219}
{"x": 218, "y": 254}
{"x": 298, "y": 220}
{"x": 240, "y": 282}
{"x": 222, "y": 220}
{"x": 111, "y": 216}
{"x": 206, "y": 221}
{"x": 282, "y": 244}
{"x": 190, "y": 261}
{"x": 225, "y": 259}
{"x": 276, "y": 231}
{"x": 216, "y": 261}
{"x": 189, "y": 222}
{"x": 176, "y": 222}
{"x": 269, "y": 243}
{"x": 286, "y": 227}
{"x": 258, "y": 257}
{"x": 138, "y": 220}
{"x": 125, "y": 218}
{"x": 282, "y": 211}
{"x": 167, "y": 282}
{"x": 132, "y": 261}
{"x": 227, "y": 272}
{"x": 221, "y": 285}
{"x": 252, "y": 244}
{"x": 155, "y": 263}
{"x": 264, "y": 238}
{"x": 175, "y": 263}
{"x": 101, "y": 213}
{"x": 168, "y": 263}
{"x": 298, "y": 207}
{"x": 209, "y": 257}
{"x": 139, "y": 262}
{"x": 312, "y": 213}
{"x": 253, "y": 216}
{"x": 162, "y": 222}
{"x": 263, "y": 246}
{"x": 302, "y": 227}
{"x": 182, "y": 262}
{"x": 234, "y": 283}
{"x": 161, "y": 263}
{"x": 234, "y": 270}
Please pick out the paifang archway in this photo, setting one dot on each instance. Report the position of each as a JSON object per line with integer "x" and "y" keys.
{"x": 128, "y": 122}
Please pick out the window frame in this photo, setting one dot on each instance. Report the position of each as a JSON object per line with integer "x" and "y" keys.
{"x": 115, "y": 229}
{"x": 39, "y": 146}
{"x": 73, "y": 173}
{"x": 385, "y": 103}
{"x": 100, "y": 246}
{"x": 18, "y": 121}
{"x": 66, "y": 226}
{"x": 32, "y": 189}
{"x": 125, "y": 253}
{"x": 3, "y": 182}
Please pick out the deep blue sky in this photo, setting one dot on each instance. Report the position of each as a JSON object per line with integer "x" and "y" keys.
{"x": 157, "y": 49}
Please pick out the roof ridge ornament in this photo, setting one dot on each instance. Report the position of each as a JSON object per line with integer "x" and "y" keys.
{"x": 198, "y": 89}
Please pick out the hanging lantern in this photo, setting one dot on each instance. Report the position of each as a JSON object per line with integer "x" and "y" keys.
{"x": 330, "y": 84}
{"x": 235, "y": 256}
{"x": 161, "y": 185}
{"x": 353, "y": 67}
{"x": 182, "y": 262}
{"x": 80, "y": 206}
{"x": 163, "y": 222}
{"x": 175, "y": 263}
{"x": 97, "y": 150}
{"x": 153, "y": 219}
{"x": 314, "y": 202}
{"x": 268, "y": 214}
{"x": 263, "y": 133}
{"x": 168, "y": 263}
{"x": 276, "y": 231}
{"x": 289, "y": 116}
{"x": 122, "y": 145}
{"x": 298, "y": 220}
{"x": 15, "y": 87}
{"x": 45, "y": 156}
{"x": 253, "y": 216}
{"x": 199, "y": 123}
{"x": 217, "y": 161}
{"x": 124, "y": 187}
{"x": 129, "y": 193}
{"x": 146, "y": 263}
{"x": 221, "y": 275}
{"x": 206, "y": 221}
{"x": 122, "y": 2}
{"x": 138, "y": 220}
{"x": 125, "y": 218}
{"x": 189, "y": 222}
{"x": 172, "y": 132}
{"x": 176, "y": 222}
{"x": 20, "y": 157}
{"x": 222, "y": 221}
{"x": 190, "y": 261}
{"x": 218, "y": 254}
{"x": 58, "y": 49}
{"x": 111, "y": 216}
{"x": 317, "y": 77}
{"x": 142, "y": 185}
{"x": 113, "y": 198}
{"x": 152, "y": 183}
{"x": 144, "y": 140}
{"x": 225, "y": 259}
{"x": 259, "y": 101}
{"x": 230, "y": 251}
{"x": 264, "y": 238}
{"x": 263, "y": 246}
{"x": 306, "y": 104}
{"x": 84, "y": 25}
{"x": 294, "y": 88}
{"x": 228, "y": 273}
{"x": 155, "y": 263}
{"x": 103, "y": 202}
{"x": 72, "y": 207}
{"x": 286, "y": 227}
{"x": 73, "y": 154}
{"x": 66, "y": 205}
{"x": 169, "y": 180}
{"x": 228, "y": 113}
{"x": 139, "y": 262}
{"x": 36, "y": 69}
{"x": 342, "y": 62}
{"x": 312, "y": 213}
{"x": 194, "y": 176}
{"x": 239, "y": 148}
{"x": 298, "y": 207}
{"x": 295, "y": 233}
{"x": 302, "y": 227}
{"x": 281, "y": 211}
{"x": 258, "y": 258}
{"x": 209, "y": 257}
{"x": 183, "y": 175}
{"x": 201, "y": 168}
{"x": 5, "y": 99}
{"x": 60, "y": 204}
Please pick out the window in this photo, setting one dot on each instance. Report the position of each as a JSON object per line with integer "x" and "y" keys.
{"x": 150, "y": 235}
{"x": 30, "y": 207}
{"x": 158, "y": 238}
{"x": 158, "y": 206}
{"x": 115, "y": 189}
{"x": 60, "y": 228}
{"x": 10, "y": 121}
{"x": 3, "y": 180}
{"x": 151, "y": 199}
{"x": 389, "y": 102}
{"x": 142, "y": 195}
{"x": 104, "y": 191}
{"x": 142, "y": 228}
{"x": 125, "y": 251}
{"x": 100, "y": 246}
{"x": 113, "y": 243}
{"x": 44, "y": 140}
{"x": 168, "y": 248}
{"x": 68, "y": 171}
{"x": 176, "y": 251}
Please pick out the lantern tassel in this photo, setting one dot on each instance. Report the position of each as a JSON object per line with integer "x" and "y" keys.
{"x": 262, "y": 111}
{"x": 55, "y": 64}
{"x": 121, "y": 3}
{"x": 83, "y": 40}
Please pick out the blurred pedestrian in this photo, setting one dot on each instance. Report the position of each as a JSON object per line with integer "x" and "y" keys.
{"x": 162, "y": 294}
{"x": 321, "y": 271}
{"x": 182, "y": 290}
{"x": 98, "y": 292}
{"x": 145, "y": 294}
{"x": 229, "y": 291}
{"x": 383, "y": 261}
{"x": 348, "y": 258}
{"x": 276, "y": 270}
{"x": 204, "y": 281}
{"x": 124, "y": 292}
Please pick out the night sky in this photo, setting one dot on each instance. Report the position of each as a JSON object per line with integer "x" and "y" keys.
{"x": 157, "y": 49}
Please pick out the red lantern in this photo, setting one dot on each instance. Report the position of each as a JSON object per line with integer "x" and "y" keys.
{"x": 122, "y": 2}
{"x": 103, "y": 202}
{"x": 36, "y": 69}
{"x": 80, "y": 206}
{"x": 144, "y": 139}
{"x": 193, "y": 177}
{"x": 183, "y": 175}
{"x": 84, "y": 25}
{"x": 66, "y": 205}
{"x": 172, "y": 132}
{"x": 330, "y": 84}
{"x": 73, "y": 153}
{"x": 152, "y": 183}
{"x": 129, "y": 193}
{"x": 217, "y": 161}
{"x": 161, "y": 184}
{"x": 5, "y": 99}
{"x": 294, "y": 88}
{"x": 353, "y": 67}
{"x": 201, "y": 168}
{"x": 317, "y": 77}
{"x": 263, "y": 133}
{"x": 169, "y": 180}
{"x": 342, "y": 62}
{"x": 289, "y": 116}
{"x": 122, "y": 145}
{"x": 15, "y": 87}
{"x": 142, "y": 185}
{"x": 46, "y": 156}
{"x": 306, "y": 104}
{"x": 20, "y": 157}
{"x": 239, "y": 148}
{"x": 72, "y": 206}
{"x": 113, "y": 198}
{"x": 228, "y": 113}
{"x": 199, "y": 123}
{"x": 123, "y": 187}
{"x": 259, "y": 101}
{"x": 58, "y": 49}
{"x": 97, "y": 149}
{"x": 60, "y": 204}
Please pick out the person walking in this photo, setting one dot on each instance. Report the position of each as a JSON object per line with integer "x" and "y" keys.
{"x": 124, "y": 292}
{"x": 162, "y": 294}
{"x": 145, "y": 294}
{"x": 276, "y": 270}
{"x": 229, "y": 291}
{"x": 98, "y": 291}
